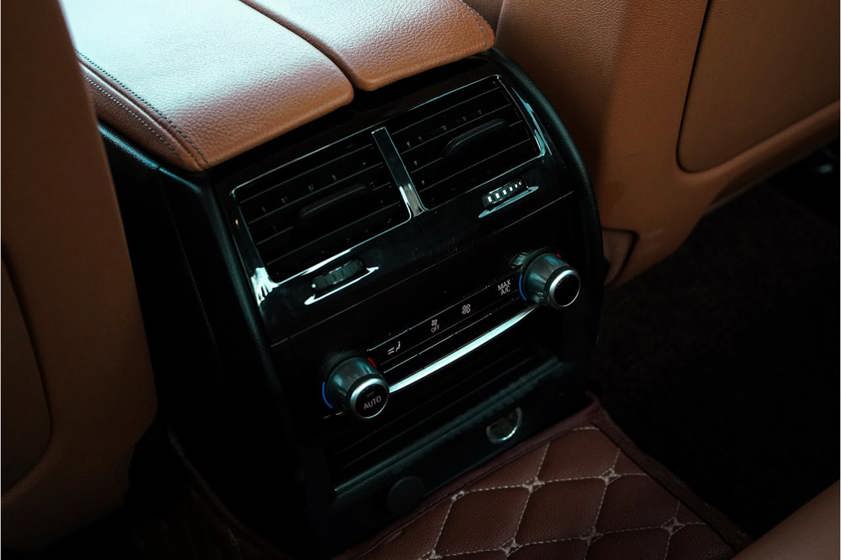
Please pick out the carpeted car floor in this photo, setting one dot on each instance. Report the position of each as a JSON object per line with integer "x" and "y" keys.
{"x": 722, "y": 362}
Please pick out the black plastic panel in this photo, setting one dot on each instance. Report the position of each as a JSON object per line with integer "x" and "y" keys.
{"x": 255, "y": 318}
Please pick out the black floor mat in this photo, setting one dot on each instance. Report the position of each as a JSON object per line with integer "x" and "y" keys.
{"x": 723, "y": 361}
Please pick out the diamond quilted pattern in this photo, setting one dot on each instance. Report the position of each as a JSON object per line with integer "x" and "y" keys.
{"x": 474, "y": 522}
{"x": 552, "y": 515}
{"x": 577, "y": 496}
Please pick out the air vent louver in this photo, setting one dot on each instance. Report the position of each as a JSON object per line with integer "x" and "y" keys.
{"x": 319, "y": 205}
{"x": 460, "y": 140}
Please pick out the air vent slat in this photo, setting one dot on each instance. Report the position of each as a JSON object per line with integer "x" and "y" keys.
{"x": 305, "y": 194}
{"x": 283, "y": 182}
{"x": 456, "y": 99}
{"x": 329, "y": 244}
{"x": 319, "y": 205}
{"x": 502, "y": 140}
{"x": 463, "y": 125}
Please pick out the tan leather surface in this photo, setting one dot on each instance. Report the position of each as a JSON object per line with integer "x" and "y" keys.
{"x": 616, "y": 246}
{"x": 65, "y": 253}
{"x": 25, "y": 417}
{"x": 811, "y": 532}
{"x": 377, "y": 43}
{"x": 761, "y": 66}
{"x": 488, "y": 9}
{"x": 618, "y": 72}
{"x": 197, "y": 84}
{"x": 572, "y": 493}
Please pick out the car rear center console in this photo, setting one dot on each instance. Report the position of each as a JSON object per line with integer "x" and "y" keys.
{"x": 346, "y": 318}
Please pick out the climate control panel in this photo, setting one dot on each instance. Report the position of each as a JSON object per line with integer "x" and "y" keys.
{"x": 441, "y": 324}
{"x": 360, "y": 385}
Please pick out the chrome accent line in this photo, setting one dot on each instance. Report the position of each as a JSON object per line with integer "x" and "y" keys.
{"x": 321, "y": 264}
{"x": 314, "y": 298}
{"x": 510, "y": 201}
{"x": 565, "y": 274}
{"x": 262, "y": 284}
{"x": 354, "y": 396}
{"x": 462, "y": 351}
{"x": 398, "y": 170}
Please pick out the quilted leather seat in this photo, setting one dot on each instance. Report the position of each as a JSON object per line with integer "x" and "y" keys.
{"x": 581, "y": 491}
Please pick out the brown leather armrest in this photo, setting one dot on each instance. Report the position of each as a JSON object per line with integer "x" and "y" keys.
{"x": 377, "y": 43}
{"x": 198, "y": 83}
{"x": 811, "y": 532}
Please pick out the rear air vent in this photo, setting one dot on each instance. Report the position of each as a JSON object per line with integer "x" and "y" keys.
{"x": 461, "y": 140}
{"x": 319, "y": 205}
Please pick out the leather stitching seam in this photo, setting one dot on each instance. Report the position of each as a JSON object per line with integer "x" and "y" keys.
{"x": 134, "y": 115}
{"x": 671, "y": 526}
{"x": 594, "y": 532}
{"x": 487, "y": 41}
{"x": 183, "y": 135}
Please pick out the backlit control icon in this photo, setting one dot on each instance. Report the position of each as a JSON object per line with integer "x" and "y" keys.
{"x": 503, "y": 193}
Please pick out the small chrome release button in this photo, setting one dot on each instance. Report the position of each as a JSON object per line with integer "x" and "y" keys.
{"x": 505, "y": 428}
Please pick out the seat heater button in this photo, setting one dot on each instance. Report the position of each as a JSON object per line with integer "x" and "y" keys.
{"x": 394, "y": 347}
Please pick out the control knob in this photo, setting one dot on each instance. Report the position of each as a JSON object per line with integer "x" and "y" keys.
{"x": 549, "y": 280}
{"x": 354, "y": 385}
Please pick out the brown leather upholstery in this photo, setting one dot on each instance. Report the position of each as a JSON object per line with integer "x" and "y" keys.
{"x": 762, "y": 66}
{"x": 377, "y": 43}
{"x": 619, "y": 72}
{"x": 488, "y": 9}
{"x": 26, "y": 418}
{"x": 574, "y": 492}
{"x": 198, "y": 83}
{"x": 811, "y": 532}
{"x": 69, "y": 272}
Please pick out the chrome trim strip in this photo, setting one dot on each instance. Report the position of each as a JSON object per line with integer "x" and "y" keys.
{"x": 398, "y": 170}
{"x": 314, "y": 298}
{"x": 508, "y": 202}
{"x": 462, "y": 351}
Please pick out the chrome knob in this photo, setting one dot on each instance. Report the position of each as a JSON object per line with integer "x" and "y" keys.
{"x": 356, "y": 386}
{"x": 549, "y": 280}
